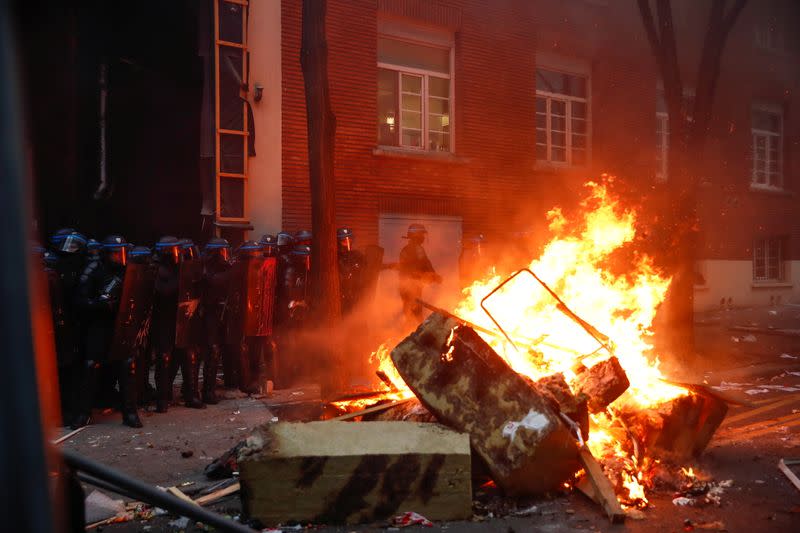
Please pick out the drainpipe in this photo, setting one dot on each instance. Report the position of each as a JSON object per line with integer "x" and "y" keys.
{"x": 103, "y": 188}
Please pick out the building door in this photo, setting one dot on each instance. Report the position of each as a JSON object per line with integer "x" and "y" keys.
{"x": 443, "y": 246}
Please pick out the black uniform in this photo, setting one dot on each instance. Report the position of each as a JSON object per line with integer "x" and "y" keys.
{"x": 99, "y": 291}
{"x": 216, "y": 285}
{"x": 352, "y": 270}
{"x": 416, "y": 271}
{"x": 165, "y": 312}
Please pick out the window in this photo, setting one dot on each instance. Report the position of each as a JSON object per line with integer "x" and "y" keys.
{"x": 414, "y": 95}
{"x": 562, "y": 114}
{"x": 768, "y": 259}
{"x": 767, "y": 129}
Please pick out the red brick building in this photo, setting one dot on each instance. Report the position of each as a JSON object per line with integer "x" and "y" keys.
{"x": 478, "y": 117}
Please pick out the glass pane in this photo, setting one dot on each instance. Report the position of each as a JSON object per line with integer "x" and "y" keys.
{"x": 541, "y": 105}
{"x": 231, "y": 106}
{"x": 579, "y": 141}
{"x": 561, "y": 83}
{"x": 439, "y": 87}
{"x": 439, "y": 105}
{"x": 388, "y": 115}
{"x": 439, "y": 123}
{"x": 230, "y": 22}
{"x": 232, "y": 153}
{"x": 557, "y": 107}
{"x": 578, "y": 157}
{"x": 578, "y": 110}
{"x": 541, "y": 120}
{"x": 541, "y": 152}
{"x": 412, "y": 103}
{"x": 413, "y": 55}
{"x": 547, "y": 80}
{"x": 412, "y": 84}
{"x": 578, "y": 126}
{"x": 231, "y": 197}
{"x": 412, "y": 138}
{"x": 558, "y": 154}
{"x": 558, "y": 123}
{"x": 412, "y": 119}
{"x": 439, "y": 142}
{"x": 765, "y": 120}
{"x": 558, "y": 138}
{"x": 541, "y": 136}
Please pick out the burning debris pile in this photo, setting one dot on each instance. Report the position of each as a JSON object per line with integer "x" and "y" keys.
{"x": 550, "y": 372}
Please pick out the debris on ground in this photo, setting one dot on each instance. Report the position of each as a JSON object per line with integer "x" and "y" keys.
{"x": 101, "y": 507}
{"x": 411, "y": 519}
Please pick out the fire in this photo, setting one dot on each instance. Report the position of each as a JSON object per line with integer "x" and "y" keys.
{"x": 577, "y": 265}
{"x": 688, "y": 472}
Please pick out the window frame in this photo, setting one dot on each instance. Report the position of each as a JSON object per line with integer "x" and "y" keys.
{"x": 425, "y": 74}
{"x": 764, "y": 255}
{"x": 568, "y": 100}
{"x": 768, "y": 136}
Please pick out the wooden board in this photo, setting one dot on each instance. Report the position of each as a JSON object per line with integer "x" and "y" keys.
{"x": 334, "y": 473}
{"x": 468, "y": 387}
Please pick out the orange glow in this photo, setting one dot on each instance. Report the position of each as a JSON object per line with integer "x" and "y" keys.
{"x": 576, "y": 265}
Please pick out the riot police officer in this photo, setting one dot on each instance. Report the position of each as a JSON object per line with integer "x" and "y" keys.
{"x": 165, "y": 309}
{"x": 140, "y": 257}
{"x": 216, "y": 284}
{"x": 188, "y": 325}
{"x": 472, "y": 262}
{"x": 303, "y": 237}
{"x": 296, "y": 280}
{"x": 100, "y": 288}
{"x": 351, "y": 269}
{"x": 65, "y": 261}
{"x": 416, "y": 271}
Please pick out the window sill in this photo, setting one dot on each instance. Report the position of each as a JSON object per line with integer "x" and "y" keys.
{"x": 771, "y": 285}
{"x": 393, "y": 151}
{"x": 701, "y": 288}
{"x": 770, "y": 190}
{"x": 247, "y": 226}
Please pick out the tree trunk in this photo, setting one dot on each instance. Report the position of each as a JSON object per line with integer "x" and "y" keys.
{"x": 325, "y": 300}
{"x": 688, "y": 131}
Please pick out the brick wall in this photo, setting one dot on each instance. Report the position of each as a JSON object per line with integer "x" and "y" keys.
{"x": 492, "y": 180}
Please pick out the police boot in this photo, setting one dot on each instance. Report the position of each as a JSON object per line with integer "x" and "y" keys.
{"x": 245, "y": 370}
{"x": 127, "y": 390}
{"x": 210, "y": 375}
{"x": 191, "y": 380}
{"x": 162, "y": 382}
{"x": 175, "y": 365}
{"x": 86, "y": 393}
{"x": 145, "y": 393}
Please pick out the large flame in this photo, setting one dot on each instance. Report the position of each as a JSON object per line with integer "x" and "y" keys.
{"x": 577, "y": 265}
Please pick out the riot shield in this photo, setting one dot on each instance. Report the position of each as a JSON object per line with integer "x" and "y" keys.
{"x": 135, "y": 307}
{"x": 259, "y": 296}
{"x": 187, "y": 326}
{"x": 374, "y": 260}
{"x": 233, "y": 314}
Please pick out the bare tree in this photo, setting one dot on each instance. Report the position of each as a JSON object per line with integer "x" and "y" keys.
{"x": 687, "y": 139}
{"x": 325, "y": 301}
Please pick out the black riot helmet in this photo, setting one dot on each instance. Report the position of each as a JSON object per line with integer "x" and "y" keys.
{"x": 58, "y": 237}
{"x": 416, "y": 233}
{"x": 303, "y": 237}
{"x": 189, "y": 250}
{"x": 115, "y": 250}
{"x": 270, "y": 244}
{"x": 249, "y": 249}
{"x": 301, "y": 254}
{"x": 69, "y": 241}
{"x": 285, "y": 242}
{"x": 168, "y": 250}
{"x": 140, "y": 255}
{"x": 218, "y": 248}
{"x": 344, "y": 237}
